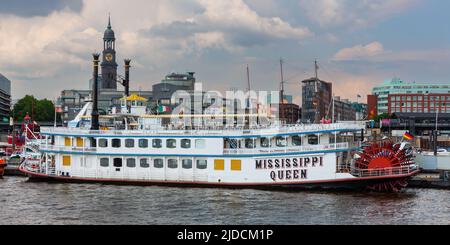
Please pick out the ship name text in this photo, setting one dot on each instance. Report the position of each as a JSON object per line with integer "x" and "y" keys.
{"x": 289, "y": 168}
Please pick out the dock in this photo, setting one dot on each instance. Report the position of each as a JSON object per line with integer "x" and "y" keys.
{"x": 431, "y": 180}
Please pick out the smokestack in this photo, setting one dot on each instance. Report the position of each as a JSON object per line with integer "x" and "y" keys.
{"x": 127, "y": 77}
{"x": 95, "y": 114}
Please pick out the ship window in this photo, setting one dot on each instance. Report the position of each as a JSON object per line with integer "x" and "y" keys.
{"x": 117, "y": 162}
{"x": 313, "y": 139}
{"x": 187, "y": 163}
{"x": 171, "y": 143}
{"x": 103, "y": 143}
{"x": 80, "y": 142}
{"x": 158, "y": 163}
{"x": 129, "y": 143}
{"x": 265, "y": 142}
{"x": 143, "y": 143}
{"x": 67, "y": 161}
{"x": 115, "y": 143}
{"x": 200, "y": 144}
{"x": 144, "y": 163}
{"x": 219, "y": 164}
{"x": 202, "y": 164}
{"x": 296, "y": 140}
{"x": 186, "y": 143}
{"x": 131, "y": 163}
{"x": 250, "y": 143}
{"x": 236, "y": 165}
{"x": 281, "y": 142}
{"x": 67, "y": 141}
{"x": 157, "y": 143}
{"x": 104, "y": 162}
{"x": 172, "y": 163}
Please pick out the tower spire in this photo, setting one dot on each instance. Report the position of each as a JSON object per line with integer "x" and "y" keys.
{"x": 109, "y": 21}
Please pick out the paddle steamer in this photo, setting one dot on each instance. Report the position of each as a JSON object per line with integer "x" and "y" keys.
{"x": 134, "y": 148}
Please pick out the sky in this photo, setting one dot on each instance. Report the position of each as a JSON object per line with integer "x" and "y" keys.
{"x": 46, "y": 45}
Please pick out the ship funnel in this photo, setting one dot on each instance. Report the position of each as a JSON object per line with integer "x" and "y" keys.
{"x": 95, "y": 114}
{"x": 127, "y": 77}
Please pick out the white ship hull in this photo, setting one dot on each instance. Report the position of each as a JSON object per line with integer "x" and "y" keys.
{"x": 186, "y": 159}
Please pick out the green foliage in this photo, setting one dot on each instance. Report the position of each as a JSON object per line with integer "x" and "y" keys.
{"x": 384, "y": 116}
{"x": 42, "y": 110}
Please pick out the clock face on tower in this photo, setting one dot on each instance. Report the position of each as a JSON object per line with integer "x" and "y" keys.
{"x": 109, "y": 57}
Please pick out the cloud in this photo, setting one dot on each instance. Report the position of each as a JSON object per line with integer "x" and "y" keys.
{"x": 375, "y": 52}
{"x": 353, "y": 14}
{"x": 236, "y": 23}
{"x": 360, "y": 52}
{"x": 28, "y": 8}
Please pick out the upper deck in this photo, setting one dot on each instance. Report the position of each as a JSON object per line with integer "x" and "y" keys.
{"x": 212, "y": 132}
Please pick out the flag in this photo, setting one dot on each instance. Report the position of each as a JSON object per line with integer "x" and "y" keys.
{"x": 163, "y": 108}
{"x": 408, "y": 136}
{"x": 58, "y": 109}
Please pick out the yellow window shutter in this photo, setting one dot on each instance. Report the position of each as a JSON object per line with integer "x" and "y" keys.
{"x": 67, "y": 141}
{"x": 80, "y": 142}
{"x": 236, "y": 165}
{"x": 219, "y": 164}
{"x": 67, "y": 161}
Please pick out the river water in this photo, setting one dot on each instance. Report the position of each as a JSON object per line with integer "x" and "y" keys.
{"x": 23, "y": 202}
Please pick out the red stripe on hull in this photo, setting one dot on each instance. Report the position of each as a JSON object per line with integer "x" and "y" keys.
{"x": 350, "y": 183}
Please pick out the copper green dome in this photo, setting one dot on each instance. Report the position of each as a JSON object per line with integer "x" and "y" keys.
{"x": 109, "y": 33}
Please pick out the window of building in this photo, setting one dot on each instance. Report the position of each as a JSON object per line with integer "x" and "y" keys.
{"x": 172, "y": 163}
{"x": 143, "y": 143}
{"x": 202, "y": 164}
{"x": 129, "y": 143}
{"x": 103, "y": 143}
{"x": 296, "y": 140}
{"x": 115, "y": 143}
{"x": 157, "y": 143}
{"x": 186, "y": 143}
{"x": 313, "y": 139}
{"x": 200, "y": 144}
{"x": 186, "y": 163}
{"x": 171, "y": 143}
{"x": 117, "y": 162}
{"x": 131, "y": 162}
{"x": 143, "y": 163}
{"x": 158, "y": 163}
{"x": 104, "y": 162}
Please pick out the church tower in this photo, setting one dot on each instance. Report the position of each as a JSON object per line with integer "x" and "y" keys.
{"x": 109, "y": 65}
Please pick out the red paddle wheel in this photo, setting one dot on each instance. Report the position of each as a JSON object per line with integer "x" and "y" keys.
{"x": 385, "y": 158}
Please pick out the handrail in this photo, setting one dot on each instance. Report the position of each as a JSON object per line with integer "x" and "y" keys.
{"x": 306, "y": 148}
{"x": 393, "y": 171}
{"x": 208, "y": 131}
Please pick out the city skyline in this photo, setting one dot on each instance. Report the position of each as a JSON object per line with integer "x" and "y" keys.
{"x": 46, "y": 47}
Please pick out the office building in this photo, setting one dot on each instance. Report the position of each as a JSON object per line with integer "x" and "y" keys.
{"x": 398, "y": 86}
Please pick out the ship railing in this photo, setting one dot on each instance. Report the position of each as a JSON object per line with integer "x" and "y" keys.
{"x": 394, "y": 171}
{"x": 67, "y": 148}
{"x": 208, "y": 131}
{"x": 306, "y": 148}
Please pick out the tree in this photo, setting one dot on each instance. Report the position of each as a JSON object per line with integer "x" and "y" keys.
{"x": 39, "y": 110}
